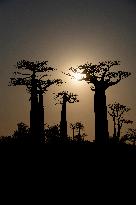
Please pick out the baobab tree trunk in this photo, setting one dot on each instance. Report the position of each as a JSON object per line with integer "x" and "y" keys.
{"x": 101, "y": 122}
{"x": 37, "y": 118}
{"x": 119, "y": 130}
{"x": 36, "y": 114}
{"x": 63, "y": 123}
{"x": 79, "y": 134}
{"x": 41, "y": 118}
{"x": 73, "y": 133}
{"x": 79, "y": 131}
{"x": 34, "y": 111}
{"x": 115, "y": 132}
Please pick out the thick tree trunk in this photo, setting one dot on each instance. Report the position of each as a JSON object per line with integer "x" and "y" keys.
{"x": 101, "y": 122}
{"x": 73, "y": 133}
{"x": 41, "y": 119}
{"x": 119, "y": 131}
{"x": 63, "y": 123}
{"x": 34, "y": 113}
{"x": 114, "y": 134}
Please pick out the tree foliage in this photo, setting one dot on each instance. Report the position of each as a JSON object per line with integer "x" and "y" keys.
{"x": 68, "y": 97}
{"x": 100, "y": 74}
{"x": 37, "y": 71}
{"x": 130, "y": 136}
{"x": 78, "y": 127}
{"x": 52, "y": 134}
{"x": 22, "y": 134}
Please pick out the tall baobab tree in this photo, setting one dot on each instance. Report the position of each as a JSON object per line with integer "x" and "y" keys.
{"x": 64, "y": 98}
{"x": 37, "y": 84}
{"x": 117, "y": 112}
{"x": 100, "y": 77}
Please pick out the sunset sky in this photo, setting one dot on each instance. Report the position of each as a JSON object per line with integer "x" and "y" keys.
{"x": 66, "y": 33}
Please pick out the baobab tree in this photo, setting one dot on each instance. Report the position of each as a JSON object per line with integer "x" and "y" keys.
{"x": 100, "y": 78}
{"x": 37, "y": 84}
{"x": 65, "y": 97}
{"x": 117, "y": 112}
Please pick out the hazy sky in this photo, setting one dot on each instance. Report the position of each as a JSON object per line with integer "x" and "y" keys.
{"x": 66, "y": 33}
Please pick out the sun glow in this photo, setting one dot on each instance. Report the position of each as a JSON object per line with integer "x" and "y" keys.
{"x": 78, "y": 76}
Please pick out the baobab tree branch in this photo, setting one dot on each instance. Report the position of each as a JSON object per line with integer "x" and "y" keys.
{"x": 100, "y": 73}
{"x": 119, "y": 75}
{"x": 47, "y": 83}
{"x": 19, "y": 81}
{"x": 69, "y": 97}
{"x": 34, "y": 66}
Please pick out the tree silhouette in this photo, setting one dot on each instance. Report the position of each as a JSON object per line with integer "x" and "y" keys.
{"x": 65, "y": 97}
{"x": 117, "y": 112}
{"x": 36, "y": 85}
{"x": 52, "y": 134}
{"x": 22, "y": 134}
{"x": 6, "y": 140}
{"x": 73, "y": 127}
{"x": 130, "y": 136}
{"x": 78, "y": 127}
{"x": 100, "y": 78}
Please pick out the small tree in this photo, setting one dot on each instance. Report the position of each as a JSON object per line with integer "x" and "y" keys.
{"x": 100, "y": 78}
{"x": 37, "y": 84}
{"x": 73, "y": 127}
{"x": 52, "y": 134}
{"x": 117, "y": 112}
{"x": 130, "y": 136}
{"x": 22, "y": 134}
{"x": 78, "y": 126}
{"x": 65, "y": 97}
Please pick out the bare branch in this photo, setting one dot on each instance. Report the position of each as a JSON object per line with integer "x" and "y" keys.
{"x": 117, "y": 111}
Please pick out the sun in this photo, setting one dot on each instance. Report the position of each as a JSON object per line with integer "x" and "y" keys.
{"x": 78, "y": 76}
